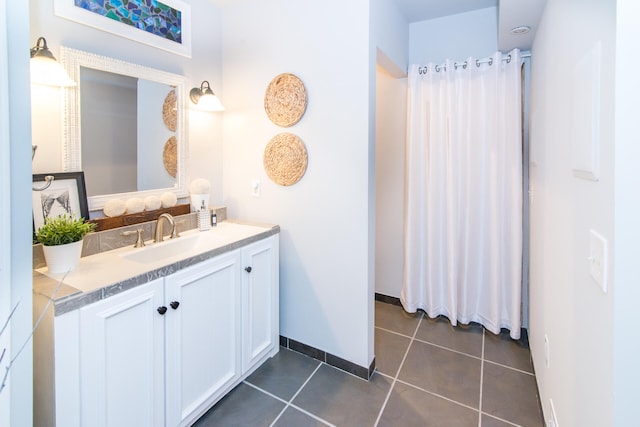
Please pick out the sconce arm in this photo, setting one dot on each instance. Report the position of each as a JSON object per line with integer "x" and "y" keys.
{"x": 48, "y": 180}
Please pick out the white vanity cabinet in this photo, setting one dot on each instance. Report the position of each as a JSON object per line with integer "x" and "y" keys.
{"x": 203, "y": 335}
{"x": 162, "y": 353}
{"x": 109, "y": 361}
{"x": 260, "y": 306}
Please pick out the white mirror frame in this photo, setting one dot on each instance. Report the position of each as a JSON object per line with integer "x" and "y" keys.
{"x": 72, "y": 60}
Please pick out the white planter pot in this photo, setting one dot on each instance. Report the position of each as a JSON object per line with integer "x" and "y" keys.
{"x": 62, "y": 258}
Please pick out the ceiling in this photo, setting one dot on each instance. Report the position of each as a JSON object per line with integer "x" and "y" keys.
{"x": 421, "y": 10}
{"x": 511, "y": 14}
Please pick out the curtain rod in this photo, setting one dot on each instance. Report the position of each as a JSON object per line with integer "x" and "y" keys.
{"x": 488, "y": 60}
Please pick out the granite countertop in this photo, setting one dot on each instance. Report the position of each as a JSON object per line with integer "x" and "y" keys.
{"x": 95, "y": 277}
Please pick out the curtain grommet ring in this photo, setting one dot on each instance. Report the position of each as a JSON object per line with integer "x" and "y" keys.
{"x": 509, "y": 59}
{"x": 490, "y": 61}
{"x": 478, "y": 63}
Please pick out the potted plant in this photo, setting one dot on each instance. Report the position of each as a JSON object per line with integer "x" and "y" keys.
{"x": 61, "y": 238}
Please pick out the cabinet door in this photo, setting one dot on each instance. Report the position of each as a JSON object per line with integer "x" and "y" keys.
{"x": 260, "y": 304}
{"x": 122, "y": 359}
{"x": 203, "y": 344}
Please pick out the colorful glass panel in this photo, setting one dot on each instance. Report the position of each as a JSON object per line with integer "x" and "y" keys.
{"x": 151, "y": 16}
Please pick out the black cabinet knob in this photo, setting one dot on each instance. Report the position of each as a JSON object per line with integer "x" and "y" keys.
{"x": 247, "y": 269}
{"x": 162, "y": 310}
{"x": 174, "y": 304}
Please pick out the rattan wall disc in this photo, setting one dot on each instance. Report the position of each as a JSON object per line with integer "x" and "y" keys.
{"x": 170, "y": 111}
{"x": 285, "y": 159}
{"x": 285, "y": 100}
{"x": 169, "y": 156}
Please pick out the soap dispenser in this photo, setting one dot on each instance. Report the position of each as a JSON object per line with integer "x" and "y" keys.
{"x": 203, "y": 218}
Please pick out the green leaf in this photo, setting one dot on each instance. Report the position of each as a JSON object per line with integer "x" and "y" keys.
{"x": 63, "y": 229}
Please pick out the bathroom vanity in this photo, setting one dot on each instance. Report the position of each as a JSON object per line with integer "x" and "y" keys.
{"x": 155, "y": 336}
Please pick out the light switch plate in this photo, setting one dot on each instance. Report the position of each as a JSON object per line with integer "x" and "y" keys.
{"x": 598, "y": 259}
{"x": 255, "y": 188}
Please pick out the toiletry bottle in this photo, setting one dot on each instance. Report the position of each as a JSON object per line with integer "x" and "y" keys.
{"x": 214, "y": 218}
{"x": 203, "y": 219}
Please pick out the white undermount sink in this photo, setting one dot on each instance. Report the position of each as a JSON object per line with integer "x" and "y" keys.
{"x": 173, "y": 248}
{"x": 107, "y": 267}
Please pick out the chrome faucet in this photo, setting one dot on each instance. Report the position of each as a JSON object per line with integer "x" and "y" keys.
{"x": 174, "y": 231}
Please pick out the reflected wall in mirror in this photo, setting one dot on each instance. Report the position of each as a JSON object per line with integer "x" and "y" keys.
{"x": 124, "y": 127}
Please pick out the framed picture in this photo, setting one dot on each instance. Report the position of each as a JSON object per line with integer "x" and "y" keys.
{"x": 165, "y": 24}
{"x": 67, "y": 194}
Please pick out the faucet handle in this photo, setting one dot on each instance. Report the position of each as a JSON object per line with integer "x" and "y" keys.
{"x": 139, "y": 240}
{"x": 175, "y": 234}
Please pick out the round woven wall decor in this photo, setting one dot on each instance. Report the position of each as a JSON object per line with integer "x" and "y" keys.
{"x": 285, "y": 100}
{"x": 170, "y": 111}
{"x": 169, "y": 156}
{"x": 285, "y": 159}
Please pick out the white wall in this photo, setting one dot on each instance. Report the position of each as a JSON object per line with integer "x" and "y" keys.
{"x": 627, "y": 212}
{"x": 15, "y": 220}
{"x": 205, "y": 129}
{"x": 566, "y": 305}
{"x": 454, "y": 37}
{"x": 391, "y": 120}
{"x": 326, "y": 283}
{"x": 391, "y": 37}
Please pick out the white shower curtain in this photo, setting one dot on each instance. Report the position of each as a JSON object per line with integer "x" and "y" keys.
{"x": 463, "y": 219}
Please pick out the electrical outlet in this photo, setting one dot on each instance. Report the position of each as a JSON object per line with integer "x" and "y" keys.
{"x": 598, "y": 259}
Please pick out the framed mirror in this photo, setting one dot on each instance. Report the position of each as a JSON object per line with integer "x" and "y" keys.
{"x": 125, "y": 127}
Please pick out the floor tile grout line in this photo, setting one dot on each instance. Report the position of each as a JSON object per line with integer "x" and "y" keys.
{"x": 430, "y": 343}
{"x": 306, "y": 382}
{"x": 317, "y": 418}
{"x": 462, "y": 352}
{"x": 448, "y": 399}
{"x": 511, "y": 423}
{"x": 510, "y": 367}
{"x": 458, "y": 351}
{"x": 289, "y": 403}
{"x": 448, "y": 348}
{"x": 395, "y": 379}
{"x": 265, "y": 392}
{"x": 393, "y": 332}
{"x": 481, "y": 382}
{"x": 279, "y": 415}
{"x": 482, "y": 360}
{"x": 300, "y": 390}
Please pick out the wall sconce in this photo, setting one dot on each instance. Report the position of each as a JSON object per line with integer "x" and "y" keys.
{"x": 204, "y": 98}
{"x": 45, "y": 69}
{"x": 48, "y": 179}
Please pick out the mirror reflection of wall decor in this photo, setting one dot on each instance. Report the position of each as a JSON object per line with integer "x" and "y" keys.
{"x": 114, "y": 128}
{"x": 285, "y": 100}
{"x": 169, "y": 156}
{"x": 65, "y": 195}
{"x": 285, "y": 159}
{"x": 170, "y": 111}
{"x": 163, "y": 24}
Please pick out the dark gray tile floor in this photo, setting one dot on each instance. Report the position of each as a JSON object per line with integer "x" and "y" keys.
{"x": 428, "y": 373}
